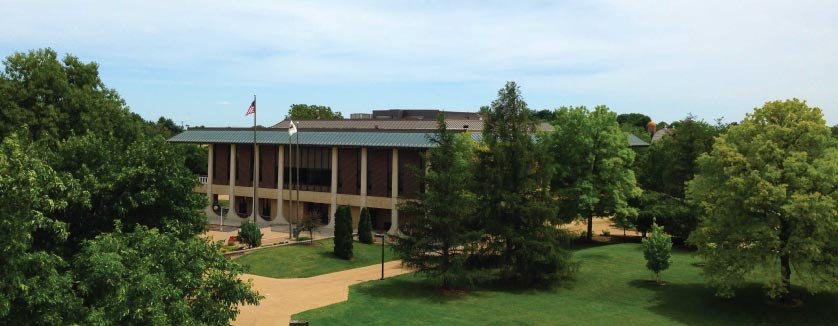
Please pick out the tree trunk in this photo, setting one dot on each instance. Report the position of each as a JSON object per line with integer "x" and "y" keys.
{"x": 590, "y": 227}
{"x": 785, "y": 270}
{"x": 785, "y": 263}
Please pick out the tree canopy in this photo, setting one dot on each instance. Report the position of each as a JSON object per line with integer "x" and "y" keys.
{"x": 593, "y": 165}
{"x": 439, "y": 240}
{"x": 309, "y": 111}
{"x": 768, "y": 194}
{"x": 517, "y": 209}
{"x": 85, "y": 227}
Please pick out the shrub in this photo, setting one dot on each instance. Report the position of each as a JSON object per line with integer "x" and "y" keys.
{"x": 657, "y": 250}
{"x": 343, "y": 233}
{"x": 365, "y": 227}
{"x": 250, "y": 234}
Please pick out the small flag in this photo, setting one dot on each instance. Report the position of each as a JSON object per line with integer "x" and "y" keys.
{"x": 251, "y": 109}
{"x": 292, "y": 128}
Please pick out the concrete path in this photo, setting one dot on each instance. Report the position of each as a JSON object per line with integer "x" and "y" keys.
{"x": 285, "y": 297}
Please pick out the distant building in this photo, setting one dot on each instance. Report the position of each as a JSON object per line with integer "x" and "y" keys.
{"x": 364, "y": 162}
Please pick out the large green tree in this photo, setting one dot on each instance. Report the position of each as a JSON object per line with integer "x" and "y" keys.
{"x": 593, "y": 165}
{"x": 310, "y": 111}
{"x": 662, "y": 171}
{"x": 516, "y": 207}
{"x": 57, "y": 99}
{"x": 36, "y": 287}
{"x": 87, "y": 174}
{"x": 163, "y": 280}
{"x": 768, "y": 193}
{"x": 439, "y": 239}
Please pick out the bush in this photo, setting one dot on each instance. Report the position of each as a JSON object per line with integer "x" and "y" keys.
{"x": 343, "y": 233}
{"x": 250, "y": 234}
{"x": 657, "y": 250}
{"x": 365, "y": 227}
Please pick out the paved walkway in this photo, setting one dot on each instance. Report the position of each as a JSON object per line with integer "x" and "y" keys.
{"x": 285, "y": 297}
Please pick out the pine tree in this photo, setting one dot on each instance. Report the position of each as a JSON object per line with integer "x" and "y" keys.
{"x": 518, "y": 211}
{"x": 343, "y": 233}
{"x": 438, "y": 243}
{"x": 365, "y": 227}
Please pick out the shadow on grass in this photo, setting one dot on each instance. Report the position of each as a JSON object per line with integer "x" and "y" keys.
{"x": 696, "y": 304}
{"x": 412, "y": 288}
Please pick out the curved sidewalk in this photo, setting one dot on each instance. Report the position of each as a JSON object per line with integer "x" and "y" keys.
{"x": 285, "y": 297}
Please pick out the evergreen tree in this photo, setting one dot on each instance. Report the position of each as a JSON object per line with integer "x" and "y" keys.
{"x": 250, "y": 234}
{"x": 518, "y": 212}
{"x": 768, "y": 197}
{"x": 343, "y": 232}
{"x": 365, "y": 227}
{"x": 437, "y": 244}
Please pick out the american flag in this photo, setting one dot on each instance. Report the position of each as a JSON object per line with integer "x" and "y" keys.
{"x": 251, "y": 109}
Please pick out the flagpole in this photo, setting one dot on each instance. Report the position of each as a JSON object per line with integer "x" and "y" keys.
{"x": 290, "y": 181}
{"x": 298, "y": 172}
{"x": 255, "y": 157}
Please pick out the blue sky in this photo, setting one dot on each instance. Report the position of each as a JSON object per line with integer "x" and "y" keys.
{"x": 200, "y": 62}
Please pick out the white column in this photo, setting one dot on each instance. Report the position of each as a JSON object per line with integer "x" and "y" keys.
{"x": 334, "y": 205}
{"x": 394, "y": 193}
{"x": 280, "y": 217}
{"x": 210, "y": 148}
{"x": 364, "y": 177}
{"x": 256, "y": 171}
{"x": 232, "y": 199}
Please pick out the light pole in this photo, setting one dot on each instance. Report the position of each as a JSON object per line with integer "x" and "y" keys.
{"x": 221, "y": 210}
{"x": 382, "y": 253}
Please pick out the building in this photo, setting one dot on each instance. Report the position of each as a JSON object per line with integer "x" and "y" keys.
{"x": 357, "y": 162}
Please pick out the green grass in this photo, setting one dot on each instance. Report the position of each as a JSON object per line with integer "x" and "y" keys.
{"x": 305, "y": 261}
{"x": 612, "y": 288}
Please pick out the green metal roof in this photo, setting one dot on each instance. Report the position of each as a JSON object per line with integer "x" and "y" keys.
{"x": 315, "y": 138}
{"x": 324, "y": 138}
{"x": 635, "y": 141}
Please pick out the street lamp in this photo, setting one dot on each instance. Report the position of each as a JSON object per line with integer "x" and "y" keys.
{"x": 221, "y": 210}
{"x": 381, "y": 235}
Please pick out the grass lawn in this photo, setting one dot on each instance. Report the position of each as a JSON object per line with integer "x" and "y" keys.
{"x": 612, "y": 288}
{"x": 306, "y": 261}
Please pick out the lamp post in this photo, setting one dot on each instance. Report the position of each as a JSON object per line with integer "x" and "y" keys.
{"x": 382, "y": 253}
{"x": 221, "y": 210}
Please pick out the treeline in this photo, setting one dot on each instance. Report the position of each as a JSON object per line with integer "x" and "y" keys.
{"x": 99, "y": 221}
{"x": 757, "y": 199}
{"x": 491, "y": 210}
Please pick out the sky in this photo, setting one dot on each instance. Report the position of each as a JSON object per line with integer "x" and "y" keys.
{"x": 201, "y": 62}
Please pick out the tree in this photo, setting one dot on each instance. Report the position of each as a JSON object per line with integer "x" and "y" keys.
{"x": 663, "y": 169}
{"x": 146, "y": 277}
{"x": 310, "y": 223}
{"x": 593, "y": 171}
{"x": 512, "y": 183}
{"x": 343, "y": 233}
{"x": 250, "y": 234}
{"x": 657, "y": 250}
{"x": 306, "y": 111}
{"x": 768, "y": 193}
{"x": 57, "y": 99}
{"x": 437, "y": 244}
{"x": 36, "y": 287}
{"x": 634, "y": 119}
{"x": 365, "y": 226}
{"x": 63, "y": 189}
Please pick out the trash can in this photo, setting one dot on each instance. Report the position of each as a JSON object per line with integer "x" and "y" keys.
{"x": 298, "y": 323}
{"x": 295, "y": 232}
